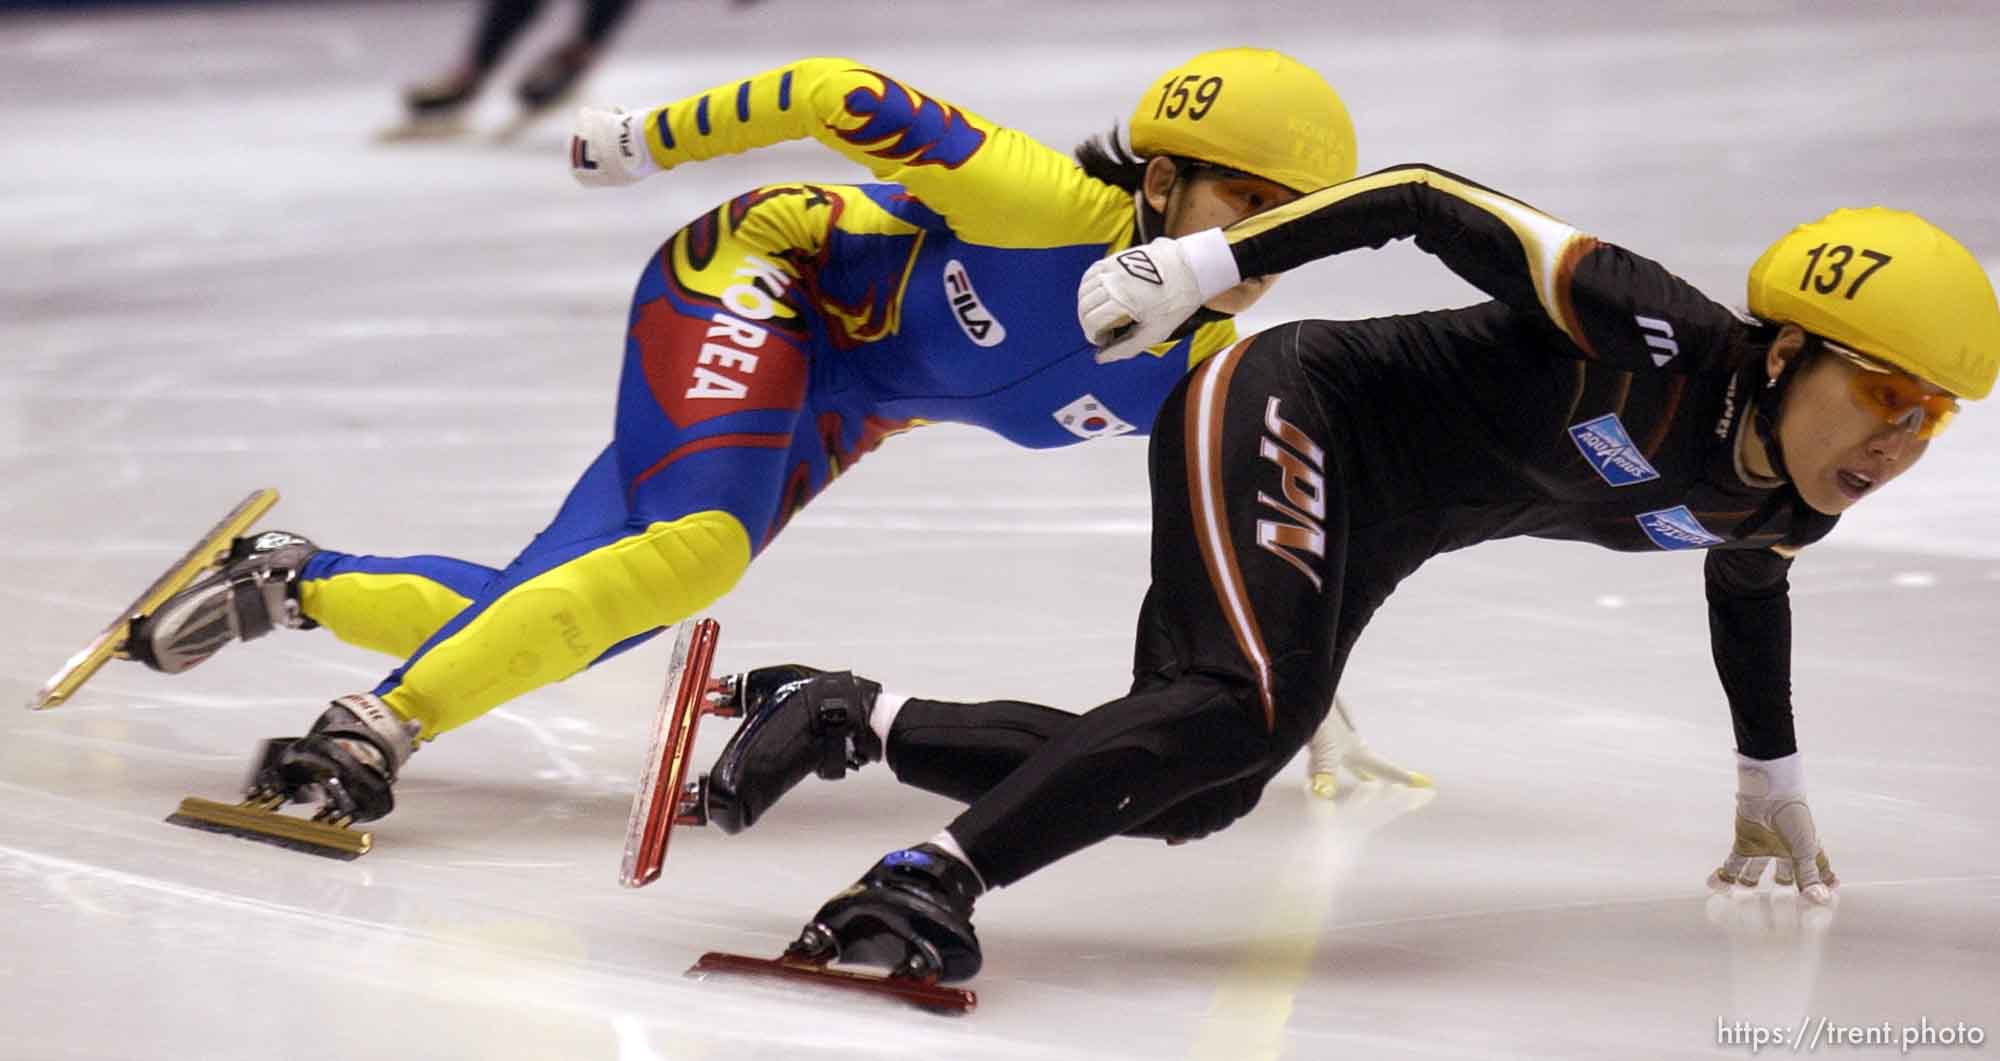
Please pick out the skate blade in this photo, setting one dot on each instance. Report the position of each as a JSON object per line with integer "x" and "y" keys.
{"x": 922, "y": 994}
{"x": 253, "y": 820}
{"x": 209, "y": 552}
{"x": 658, "y": 805}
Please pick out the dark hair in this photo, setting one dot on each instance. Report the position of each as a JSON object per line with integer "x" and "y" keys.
{"x": 1756, "y": 337}
{"x": 1106, "y": 158}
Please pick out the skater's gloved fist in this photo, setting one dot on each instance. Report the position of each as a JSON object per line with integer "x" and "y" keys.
{"x": 1140, "y": 297}
{"x": 608, "y": 147}
{"x": 1774, "y": 825}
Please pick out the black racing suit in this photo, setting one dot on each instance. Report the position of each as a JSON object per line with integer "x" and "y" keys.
{"x": 1299, "y": 477}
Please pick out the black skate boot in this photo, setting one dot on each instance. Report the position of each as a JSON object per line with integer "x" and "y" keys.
{"x": 348, "y": 760}
{"x": 750, "y": 692}
{"x": 911, "y": 914}
{"x": 815, "y": 725}
{"x": 436, "y": 109}
{"x": 553, "y": 77}
{"x": 255, "y": 590}
{"x": 441, "y": 99}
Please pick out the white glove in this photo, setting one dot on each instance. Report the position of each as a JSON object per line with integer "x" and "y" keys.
{"x": 1773, "y": 823}
{"x": 1336, "y": 744}
{"x": 1139, "y": 297}
{"x": 609, "y": 148}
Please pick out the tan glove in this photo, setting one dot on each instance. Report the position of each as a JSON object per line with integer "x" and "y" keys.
{"x": 1773, "y": 824}
{"x": 1338, "y": 744}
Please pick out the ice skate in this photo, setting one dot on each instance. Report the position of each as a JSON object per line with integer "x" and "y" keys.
{"x": 910, "y": 914}
{"x": 548, "y": 85}
{"x": 347, "y": 763}
{"x": 211, "y": 551}
{"x": 815, "y": 725}
{"x": 253, "y": 592}
{"x": 436, "y": 109}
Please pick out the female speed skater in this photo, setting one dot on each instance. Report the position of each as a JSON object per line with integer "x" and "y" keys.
{"x": 1298, "y": 477}
{"x": 772, "y": 343}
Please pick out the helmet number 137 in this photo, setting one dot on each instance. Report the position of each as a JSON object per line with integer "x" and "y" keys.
{"x": 1837, "y": 257}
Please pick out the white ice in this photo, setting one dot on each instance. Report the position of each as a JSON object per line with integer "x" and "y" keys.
{"x": 213, "y": 280}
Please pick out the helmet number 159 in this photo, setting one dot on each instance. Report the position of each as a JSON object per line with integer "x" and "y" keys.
{"x": 1191, "y": 94}
{"x": 1835, "y": 268}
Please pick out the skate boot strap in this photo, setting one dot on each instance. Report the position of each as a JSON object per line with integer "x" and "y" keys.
{"x": 933, "y": 870}
{"x": 839, "y": 717}
{"x": 253, "y": 614}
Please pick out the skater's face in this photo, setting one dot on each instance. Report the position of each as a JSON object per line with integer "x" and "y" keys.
{"x": 1848, "y": 428}
{"x": 1206, "y": 198}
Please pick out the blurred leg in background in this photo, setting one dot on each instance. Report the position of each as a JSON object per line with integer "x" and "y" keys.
{"x": 437, "y": 107}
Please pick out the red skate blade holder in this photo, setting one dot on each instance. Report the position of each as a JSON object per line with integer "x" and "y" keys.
{"x": 789, "y": 968}
{"x": 665, "y": 798}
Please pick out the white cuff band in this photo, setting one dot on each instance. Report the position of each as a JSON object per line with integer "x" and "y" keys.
{"x": 637, "y": 154}
{"x": 1783, "y": 776}
{"x": 1214, "y": 263}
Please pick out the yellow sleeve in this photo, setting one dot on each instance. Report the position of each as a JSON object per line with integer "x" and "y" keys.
{"x": 1211, "y": 339}
{"x": 995, "y": 186}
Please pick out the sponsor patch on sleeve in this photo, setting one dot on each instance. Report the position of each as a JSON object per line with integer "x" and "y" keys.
{"x": 1676, "y": 528}
{"x": 1608, "y": 447}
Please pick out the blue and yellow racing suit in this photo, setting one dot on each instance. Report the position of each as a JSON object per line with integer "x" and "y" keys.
{"x": 771, "y": 343}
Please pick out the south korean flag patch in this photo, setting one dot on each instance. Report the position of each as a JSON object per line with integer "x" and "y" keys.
{"x": 1089, "y": 418}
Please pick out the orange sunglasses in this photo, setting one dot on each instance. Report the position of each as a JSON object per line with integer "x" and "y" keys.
{"x": 1899, "y": 398}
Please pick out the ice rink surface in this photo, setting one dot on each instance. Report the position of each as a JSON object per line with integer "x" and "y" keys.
{"x": 213, "y": 280}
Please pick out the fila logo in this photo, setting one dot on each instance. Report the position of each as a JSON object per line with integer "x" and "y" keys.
{"x": 1138, "y": 264}
{"x": 755, "y": 299}
{"x": 1302, "y": 481}
{"x": 625, "y": 136}
{"x": 978, "y": 322}
{"x": 1659, "y": 336}
{"x": 579, "y": 154}
{"x": 1088, "y": 418}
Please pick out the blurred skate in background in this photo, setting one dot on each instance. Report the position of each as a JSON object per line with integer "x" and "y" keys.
{"x": 437, "y": 108}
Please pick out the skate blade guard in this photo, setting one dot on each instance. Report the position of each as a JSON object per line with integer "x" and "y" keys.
{"x": 258, "y": 819}
{"x": 796, "y": 969}
{"x": 210, "y": 551}
{"x": 665, "y": 798}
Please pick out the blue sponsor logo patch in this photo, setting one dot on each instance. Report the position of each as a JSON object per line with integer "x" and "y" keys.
{"x": 1608, "y": 447}
{"x": 1676, "y": 528}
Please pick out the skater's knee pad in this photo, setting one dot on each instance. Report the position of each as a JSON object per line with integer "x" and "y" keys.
{"x": 1207, "y": 812}
{"x": 560, "y": 621}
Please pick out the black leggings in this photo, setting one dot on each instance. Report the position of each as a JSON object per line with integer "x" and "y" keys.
{"x": 504, "y": 20}
{"x": 1254, "y": 607}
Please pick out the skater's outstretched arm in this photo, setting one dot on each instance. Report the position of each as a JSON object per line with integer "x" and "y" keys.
{"x": 1750, "y": 628}
{"x": 1750, "y": 632}
{"x": 997, "y": 186}
{"x": 1608, "y": 303}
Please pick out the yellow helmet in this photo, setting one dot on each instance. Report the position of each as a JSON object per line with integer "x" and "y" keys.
{"x": 1253, "y": 110}
{"x": 1891, "y": 285}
